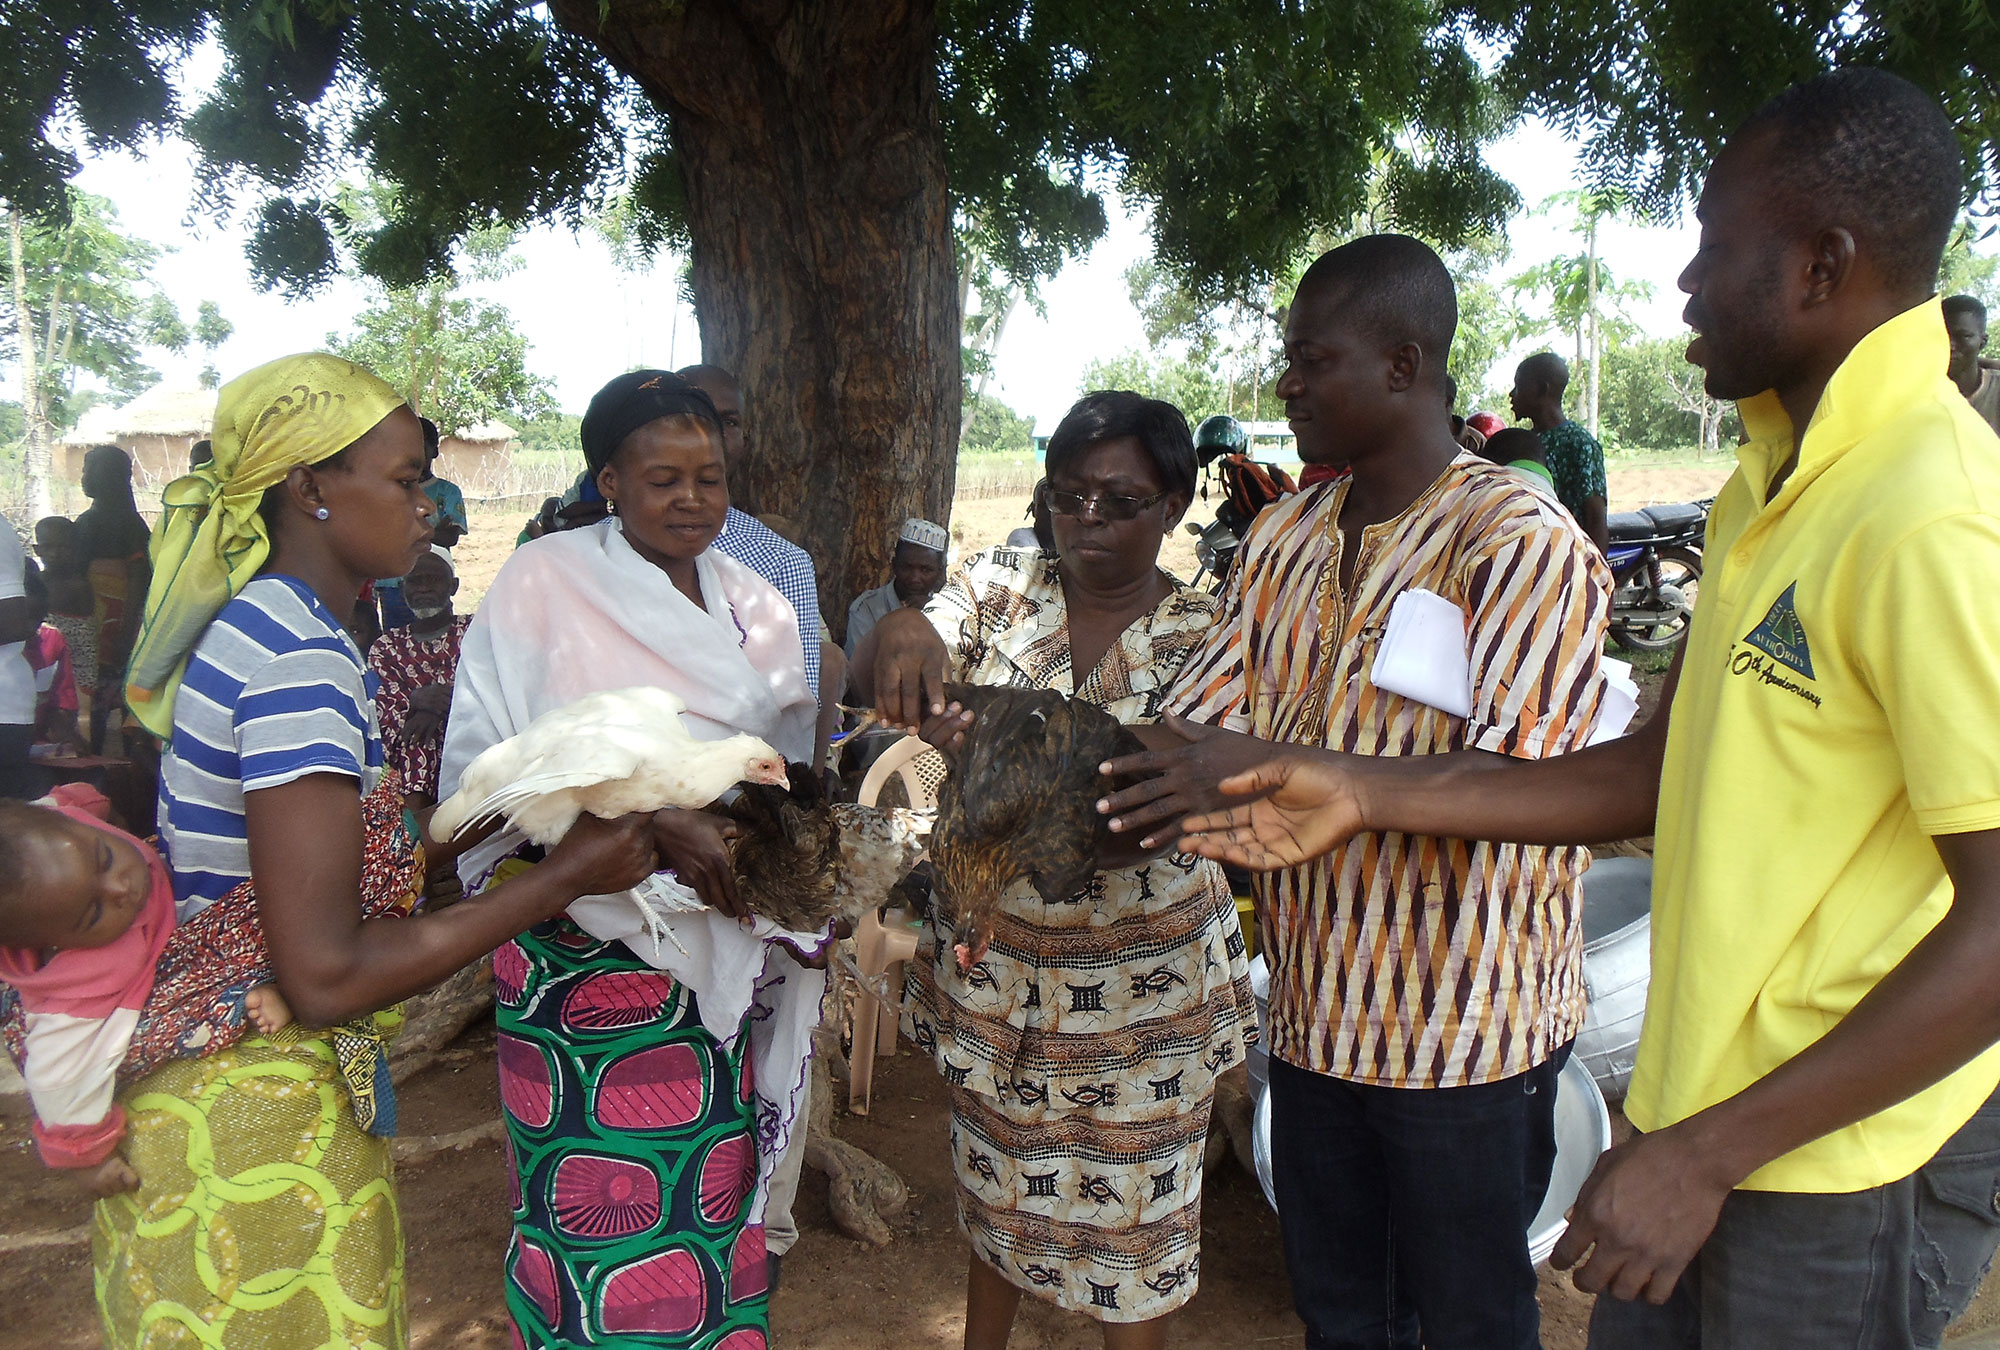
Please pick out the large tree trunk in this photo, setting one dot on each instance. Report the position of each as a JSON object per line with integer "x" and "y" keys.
{"x": 824, "y": 273}
{"x": 34, "y": 398}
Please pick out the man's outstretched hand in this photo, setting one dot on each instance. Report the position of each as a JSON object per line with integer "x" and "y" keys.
{"x": 1182, "y": 780}
{"x": 1287, "y": 810}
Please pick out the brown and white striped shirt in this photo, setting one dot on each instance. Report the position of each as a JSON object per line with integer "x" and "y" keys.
{"x": 1402, "y": 960}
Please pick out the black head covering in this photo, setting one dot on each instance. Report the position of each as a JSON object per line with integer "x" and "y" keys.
{"x": 634, "y": 399}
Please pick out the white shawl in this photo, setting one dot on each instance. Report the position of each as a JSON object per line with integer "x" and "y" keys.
{"x": 580, "y": 612}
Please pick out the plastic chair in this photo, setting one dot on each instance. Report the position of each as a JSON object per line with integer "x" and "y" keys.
{"x": 912, "y": 760}
{"x": 880, "y": 948}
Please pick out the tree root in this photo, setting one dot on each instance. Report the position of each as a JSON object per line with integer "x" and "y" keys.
{"x": 435, "y": 1018}
{"x": 402, "y": 1068}
{"x": 78, "y": 1236}
{"x": 414, "y": 1149}
{"x": 861, "y": 1189}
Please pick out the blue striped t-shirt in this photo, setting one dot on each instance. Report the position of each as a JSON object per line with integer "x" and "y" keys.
{"x": 275, "y": 690}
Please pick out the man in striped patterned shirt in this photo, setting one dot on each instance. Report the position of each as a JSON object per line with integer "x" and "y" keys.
{"x": 1424, "y": 991}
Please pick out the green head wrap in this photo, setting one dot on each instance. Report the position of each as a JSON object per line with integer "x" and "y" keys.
{"x": 210, "y": 540}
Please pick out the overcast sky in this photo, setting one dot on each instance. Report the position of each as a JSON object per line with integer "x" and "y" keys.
{"x": 586, "y": 321}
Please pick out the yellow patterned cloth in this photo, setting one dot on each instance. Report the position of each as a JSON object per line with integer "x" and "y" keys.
{"x": 266, "y": 1219}
{"x": 210, "y": 539}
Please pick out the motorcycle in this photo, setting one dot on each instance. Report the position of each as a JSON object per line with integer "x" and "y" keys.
{"x": 1246, "y": 487}
{"x": 1656, "y": 572}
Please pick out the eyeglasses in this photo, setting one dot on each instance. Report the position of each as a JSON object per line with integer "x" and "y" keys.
{"x": 1106, "y": 506}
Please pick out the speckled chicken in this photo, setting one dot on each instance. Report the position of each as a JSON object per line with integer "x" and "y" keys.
{"x": 1020, "y": 804}
{"x": 802, "y": 860}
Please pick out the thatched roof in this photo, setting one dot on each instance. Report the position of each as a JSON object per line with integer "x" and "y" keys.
{"x": 166, "y": 410}
{"x": 486, "y": 431}
{"x": 163, "y": 410}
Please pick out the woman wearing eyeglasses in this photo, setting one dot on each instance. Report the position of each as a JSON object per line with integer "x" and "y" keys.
{"x": 1082, "y": 1051}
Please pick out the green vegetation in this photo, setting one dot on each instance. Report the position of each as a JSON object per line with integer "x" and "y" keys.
{"x": 81, "y": 303}
{"x": 993, "y": 428}
{"x": 1191, "y": 384}
{"x": 459, "y": 361}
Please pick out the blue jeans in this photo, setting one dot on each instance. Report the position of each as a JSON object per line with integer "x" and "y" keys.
{"x": 1881, "y": 1269}
{"x": 1405, "y": 1211}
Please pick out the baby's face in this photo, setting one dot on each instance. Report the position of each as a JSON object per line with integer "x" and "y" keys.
{"x": 81, "y": 887}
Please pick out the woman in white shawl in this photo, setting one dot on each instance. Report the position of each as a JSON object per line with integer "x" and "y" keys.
{"x": 648, "y": 1086}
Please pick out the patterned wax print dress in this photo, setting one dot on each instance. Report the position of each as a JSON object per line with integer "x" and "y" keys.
{"x": 266, "y": 1217}
{"x": 1082, "y": 1052}
{"x": 631, "y": 1154}
{"x": 405, "y": 663}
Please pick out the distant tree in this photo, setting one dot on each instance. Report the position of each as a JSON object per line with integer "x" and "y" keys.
{"x": 554, "y": 433}
{"x": 996, "y": 428}
{"x": 1197, "y": 388}
{"x": 459, "y": 361}
{"x": 162, "y": 321}
{"x": 1241, "y": 334}
{"x": 987, "y": 299}
{"x": 1640, "y": 409}
{"x": 1968, "y": 273}
{"x": 1576, "y": 293}
{"x": 210, "y": 331}
{"x": 80, "y": 304}
{"x": 1653, "y": 399}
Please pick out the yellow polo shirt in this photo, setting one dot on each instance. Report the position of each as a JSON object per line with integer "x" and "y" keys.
{"x": 1838, "y": 706}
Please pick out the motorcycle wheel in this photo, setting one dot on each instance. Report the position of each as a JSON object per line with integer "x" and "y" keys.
{"x": 1681, "y": 568}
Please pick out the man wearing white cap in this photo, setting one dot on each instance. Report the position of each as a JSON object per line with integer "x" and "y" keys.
{"x": 916, "y": 574}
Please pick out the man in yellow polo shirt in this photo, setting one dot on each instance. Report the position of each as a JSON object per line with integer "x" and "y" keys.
{"x": 1819, "y": 1162}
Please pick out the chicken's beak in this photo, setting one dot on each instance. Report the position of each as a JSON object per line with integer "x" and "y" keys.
{"x": 771, "y": 773}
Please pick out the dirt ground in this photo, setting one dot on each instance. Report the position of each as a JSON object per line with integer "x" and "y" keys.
{"x": 1634, "y": 488}
{"x": 836, "y": 1294}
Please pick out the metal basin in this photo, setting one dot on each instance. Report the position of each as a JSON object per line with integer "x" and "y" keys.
{"x": 1617, "y": 966}
{"x": 1583, "y": 1131}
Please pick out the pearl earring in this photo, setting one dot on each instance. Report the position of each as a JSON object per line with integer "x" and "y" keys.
{"x": 321, "y": 514}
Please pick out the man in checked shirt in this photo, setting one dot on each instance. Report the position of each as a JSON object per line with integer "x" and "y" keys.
{"x": 748, "y": 540}
{"x": 789, "y": 568}
{"x": 1424, "y": 991}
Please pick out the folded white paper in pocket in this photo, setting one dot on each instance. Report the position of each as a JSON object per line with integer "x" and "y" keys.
{"x": 1423, "y": 653}
{"x": 1621, "y": 702}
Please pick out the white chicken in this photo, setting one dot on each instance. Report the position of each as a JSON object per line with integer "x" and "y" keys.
{"x": 610, "y": 754}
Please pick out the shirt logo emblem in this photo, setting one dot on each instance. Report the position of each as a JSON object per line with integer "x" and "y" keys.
{"x": 1782, "y": 637}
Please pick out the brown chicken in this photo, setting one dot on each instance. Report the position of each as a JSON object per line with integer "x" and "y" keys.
{"x": 1020, "y": 804}
{"x": 802, "y": 860}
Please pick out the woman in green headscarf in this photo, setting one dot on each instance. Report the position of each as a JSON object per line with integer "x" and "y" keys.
{"x": 264, "y": 1213}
